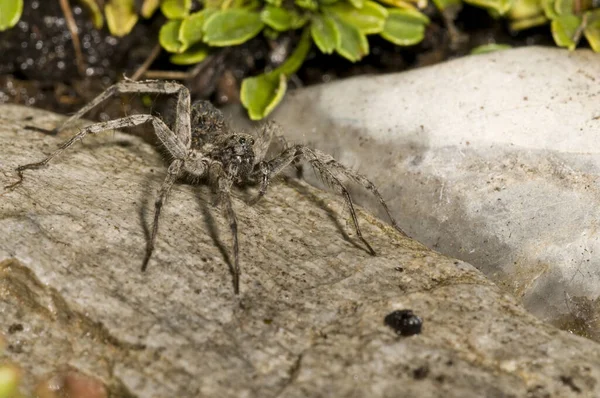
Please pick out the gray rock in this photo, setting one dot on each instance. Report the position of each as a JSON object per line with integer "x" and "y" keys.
{"x": 491, "y": 159}
{"x": 309, "y": 321}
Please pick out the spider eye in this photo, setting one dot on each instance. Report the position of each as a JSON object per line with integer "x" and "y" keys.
{"x": 242, "y": 140}
{"x": 251, "y": 141}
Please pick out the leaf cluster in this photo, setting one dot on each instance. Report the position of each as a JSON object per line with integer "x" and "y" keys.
{"x": 570, "y": 20}
{"x": 339, "y": 26}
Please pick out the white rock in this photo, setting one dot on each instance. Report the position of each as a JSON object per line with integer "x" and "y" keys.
{"x": 492, "y": 159}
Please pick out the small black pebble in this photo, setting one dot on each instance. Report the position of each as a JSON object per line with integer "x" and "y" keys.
{"x": 404, "y": 322}
{"x": 421, "y": 372}
{"x": 15, "y": 327}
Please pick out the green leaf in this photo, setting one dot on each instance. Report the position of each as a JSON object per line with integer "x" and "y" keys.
{"x": 261, "y": 94}
{"x": 404, "y": 27}
{"x": 276, "y": 3}
{"x": 592, "y": 29}
{"x": 564, "y": 30}
{"x": 120, "y": 16}
{"x": 192, "y": 55}
{"x": 168, "y": 36}
{"x": 9, "y": 374}
{"x": 489, "y": 48}
{"x": 278, "y": 18}
{"x": 149, "y": 7}
{"x": 324, "y": 33}
{"x": 231, "y": 27}
{"x": 444, "y": 4}
{"x": 175, "y": 9}
{"x": 563, "y": 7}
{"x": 10, "y": 12}
{"x": 270, "y": 33}
{"x": 549, "y": 10}
{"x": 353, "y": 44}
{"x": 327, "y": 2}
{"x": 368, "y": 20}
{"x": 297, "y": 57}
{"x": 310, "y": 5}
{"x": 525, "y": 9}
{"x": 526, "y": 14}
{"x": 527, "y": 23}
{"x": 499, "y": 6}
{"x": 192, "y": 28}
{"x": 357, "y": 3}
{"x": 97, "y": 18}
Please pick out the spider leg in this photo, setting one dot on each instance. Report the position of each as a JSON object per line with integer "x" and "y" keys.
{"x": 339, "y": 168}
{"x": 174, "y": 171}
{"x": 182, "y": 119}
{"x": 169, "y": 139}
{"x": 320, "y": 162}
{"x": 263, "y": 140}
{"x": 264, "y": 175}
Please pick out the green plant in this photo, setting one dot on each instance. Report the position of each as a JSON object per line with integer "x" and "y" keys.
{"x": 334, "y": 26}
{"x": 570, "y": 20}
{"x": 339, "y": 26}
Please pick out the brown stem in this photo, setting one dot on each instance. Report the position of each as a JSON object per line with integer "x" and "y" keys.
{"x": 72, "y": 26}
{"x": 144, "y": 67}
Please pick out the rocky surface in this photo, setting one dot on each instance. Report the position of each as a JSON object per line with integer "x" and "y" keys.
{"x": 308, "y": 322}
{"x": 491, "y": 159}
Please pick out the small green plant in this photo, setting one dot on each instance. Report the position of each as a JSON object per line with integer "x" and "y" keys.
{"x": 570, "y": 20}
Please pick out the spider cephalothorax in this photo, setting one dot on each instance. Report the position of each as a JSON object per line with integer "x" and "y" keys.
{"x": 234, "y": 151}
{"x": 202, "y": 146}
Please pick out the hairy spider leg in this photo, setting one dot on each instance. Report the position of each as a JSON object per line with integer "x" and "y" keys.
{"x": 320, "y": 163}
{"x": 340, "y": 169}
{"x": 174, "y": 172}
{"x": 263, "y": 140}
{"x": 300, "y": 152}
{"x": 171, "y": 141}
{"x": 182, "y": 126}
{"x": 163, "y": 132}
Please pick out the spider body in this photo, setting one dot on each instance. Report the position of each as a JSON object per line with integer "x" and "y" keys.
{"x": 202, "y": 146}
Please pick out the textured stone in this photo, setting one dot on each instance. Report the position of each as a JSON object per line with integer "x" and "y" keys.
{"x": 492, "y": 159}
{"x": 308, "y": 322}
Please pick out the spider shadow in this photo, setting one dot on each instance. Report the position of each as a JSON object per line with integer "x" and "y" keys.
{"x": 213, "y": 229}
{"x": 333, "y": 216}
{"x": 149, "y": 193}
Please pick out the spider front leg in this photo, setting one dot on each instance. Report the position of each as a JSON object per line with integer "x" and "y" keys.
{"x": 173, "y": 173}
{"x": 320, "y": 163}
{"x": 171, "y": 142}
{"x": 182, "y": 125}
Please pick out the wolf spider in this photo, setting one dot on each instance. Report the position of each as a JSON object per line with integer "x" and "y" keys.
{"x": 203, "y": 147}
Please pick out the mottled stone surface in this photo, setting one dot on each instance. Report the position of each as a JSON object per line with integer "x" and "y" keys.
{"x": 492, "y": 159}
{"x": 308, "y": 322}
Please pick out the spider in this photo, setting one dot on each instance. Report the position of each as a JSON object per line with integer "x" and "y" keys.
{"x": 204, "y": 148}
